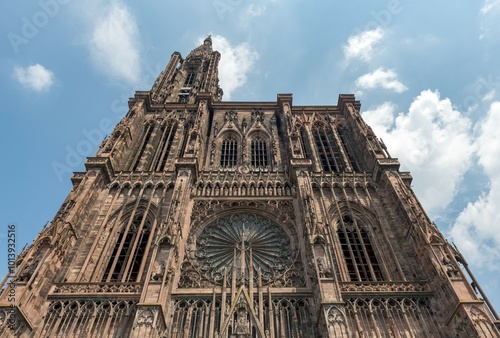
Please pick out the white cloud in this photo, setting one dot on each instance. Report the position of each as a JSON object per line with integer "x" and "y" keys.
{"x": 476, "y": 229}
{"x": 381, "y": 78}
{"x": 489, "y": 5}
{"x": 432, "y": 140}
{"x": 234, "y": 65}
{"x": 35, "y": 77}
{"x": 361, "y": 46}
{"x": 114, "y": 44}
{"x": 381, "y": 117}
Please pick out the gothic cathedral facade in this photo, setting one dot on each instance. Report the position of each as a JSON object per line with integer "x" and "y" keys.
{"x": 199, "y": 218}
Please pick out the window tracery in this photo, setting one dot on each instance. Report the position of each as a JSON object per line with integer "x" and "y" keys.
{"x": 347, "y": 141}
{"x": 304, "y": 142}
{"x": 95, "y": 318}
{"x": 129, "y": 250}
{"x": 392, "y": 317}
{"x": 256, "y": 246}
{"x": 282, "y": 317}
{"x": 229, "y": 151}
{"x": 327, "y": 147}
{"x": 360, "y": 259}
{"x": 165, "y": 146}
{"x": 148, "y": 131}
{"x": 259, "y": 153}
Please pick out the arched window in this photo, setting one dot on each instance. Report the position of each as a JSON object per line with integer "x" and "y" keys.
{"x": 166, "y": 141}
{"x": 148, "y": 130}
{"x": 229, "y": 151}
{"x": 328, "y": 149}
{"x": 304, "y": 143}
{"x": 358, "y": 252}
{"x": 347, "y": 141}
{"x": 258, "y": 148}
{"x": 128, "y": 252}
{"x": 191, "y": 76}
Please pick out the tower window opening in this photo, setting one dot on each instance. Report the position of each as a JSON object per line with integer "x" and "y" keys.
{"x": 328, "y": 149}
{"x": 128, "y": 253}
{"x": 190, "y": 79}
{"x": 360, "y": 259}
{"x": 258, "y": 149}
{"x": 145, "y": 142}
{"x": 347, "y": 149}
{"x": 304, "y": 140}
{"x": 229, "y": 152}
{"x": 166, "y": 145}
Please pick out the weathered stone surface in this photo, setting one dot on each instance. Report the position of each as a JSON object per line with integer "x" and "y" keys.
{"x": 203, "y": 218}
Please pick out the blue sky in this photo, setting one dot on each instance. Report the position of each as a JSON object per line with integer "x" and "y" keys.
{"x": 426, "y": 72}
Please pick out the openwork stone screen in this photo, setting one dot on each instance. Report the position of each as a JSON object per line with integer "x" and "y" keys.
{"x": 256, "y": 246}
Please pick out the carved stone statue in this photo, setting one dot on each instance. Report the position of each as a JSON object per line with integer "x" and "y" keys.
{"x": 158, "y": 271}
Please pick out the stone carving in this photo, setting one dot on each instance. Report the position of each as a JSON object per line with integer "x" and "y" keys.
{"x": 242, "y": 326}
{"x": 158, "y": 271}
{"x": 119, "y": 288}
{"x": 254, "y": 245}
{"x": 145, "y": 318}
{"x": 324, "y": 272}
{"x": 383, "y": 287}
{"x": 245, "y": 182}
{"x": 29, "y": 269}
{"x": 334, "y": 316}
{"x": 449, "y": 267}
{"x": 105, "y": 315}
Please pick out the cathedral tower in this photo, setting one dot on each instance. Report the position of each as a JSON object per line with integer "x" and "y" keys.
{"x": 199, "y": 218}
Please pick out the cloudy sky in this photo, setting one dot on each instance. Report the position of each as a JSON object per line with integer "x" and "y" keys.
{"x": 426, "y": 72}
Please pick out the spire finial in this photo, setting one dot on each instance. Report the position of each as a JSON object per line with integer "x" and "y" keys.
{"x": 208, "y": 40}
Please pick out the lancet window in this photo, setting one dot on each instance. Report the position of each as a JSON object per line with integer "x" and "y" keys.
{"x": 189, "y": 79}
{"x": 129, "y": 250}
{"x": 229, "y": 151}
{"x": 304, "y": 143}
{"x": 392, "y": 317}
{"x": 328, "y": 148}
{"x": 145, "y": 140}
{"x": 283, "y": 317}
{"x": 258, "y": 148}
{"x": 89, "y": 318}
{"x": 167, "y": 139}
{"x": 360, "y": 259}
{"x": 346, "y": 140}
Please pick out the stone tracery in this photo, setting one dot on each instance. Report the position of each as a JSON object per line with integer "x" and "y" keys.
{"x": 255, "y": 246}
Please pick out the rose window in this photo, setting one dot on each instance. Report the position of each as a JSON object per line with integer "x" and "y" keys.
{"x": 243, "y": 246}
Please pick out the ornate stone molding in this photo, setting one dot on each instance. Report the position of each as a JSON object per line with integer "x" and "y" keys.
{"x": 389, "y": 287}
{"x": 97, "y": 288}
{"x": 342, "y": 180}
{"x": 258, "y": 248}
{"x": 150, "y": 178}
{"x": 243, "y": 183}
{"x": 13, "y": 320}
{"x": 282, "y": 211}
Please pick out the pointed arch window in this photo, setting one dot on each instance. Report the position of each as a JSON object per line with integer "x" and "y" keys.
{"x": 190, "y": 79}
{"x": 258, "y": 148}
{"x": 347, "y": 141}
{"x": 328, "y": 148}
{"x": 229, "y": 151}
{"x": 145, "y": 140}
{"x": 166, "y": 142}
{"x": 360, "y": 259}
{"x": 304, "y": 140}
{"x": 129, "y": 251}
